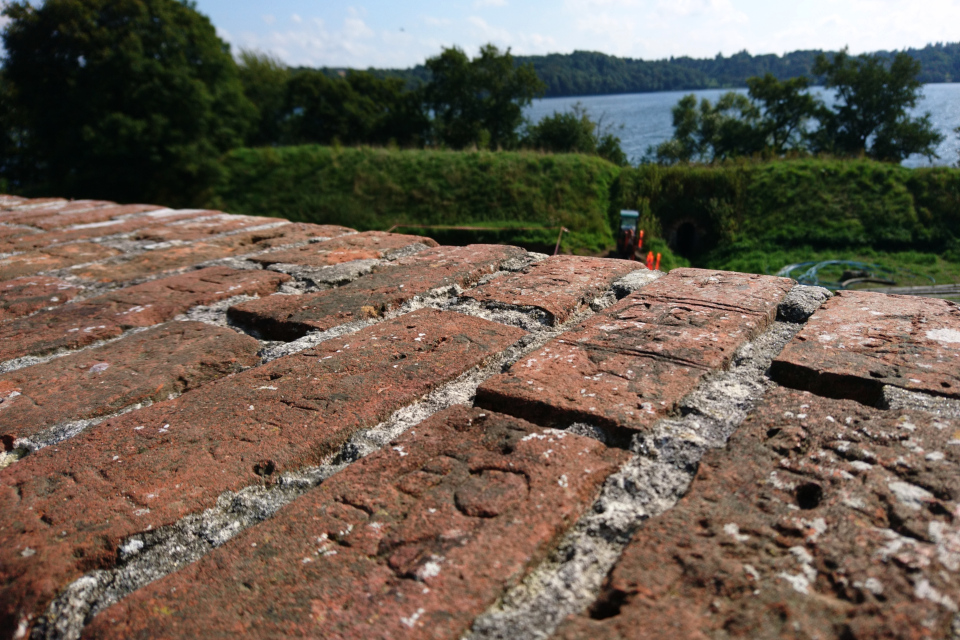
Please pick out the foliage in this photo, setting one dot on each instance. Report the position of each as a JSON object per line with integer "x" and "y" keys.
{"x": 708, "y": 132}
{"x": 836, "y": 207}
{"x": 122, "y": 99}
{"x": 574, "y": 132}
{"x": 588, "y": 73}
{"x": 871, "y": 115}
{"x": 360, "y": 108}
{"x": 479, "y": 102}
{"x": 367, "y": 188}
{"x": 264, "y": 79}
{"x": 771, "y": 121}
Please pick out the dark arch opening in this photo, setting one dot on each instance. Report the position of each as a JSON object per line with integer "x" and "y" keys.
{"x": 687, "y": 239}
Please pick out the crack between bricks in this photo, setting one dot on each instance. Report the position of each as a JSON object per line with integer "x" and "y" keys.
{"x": 649, "y": 484}
{"x": 149, "y": 556}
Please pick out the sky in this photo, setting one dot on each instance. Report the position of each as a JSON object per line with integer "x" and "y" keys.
{"x": 398, "y": 34}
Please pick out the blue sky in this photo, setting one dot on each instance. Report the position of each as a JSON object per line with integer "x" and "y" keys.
{"x": 383, "y": 33}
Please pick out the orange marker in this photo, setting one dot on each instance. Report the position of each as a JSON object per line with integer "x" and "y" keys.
{"x": 650, "y": 261}
{"x": 658, "y": 262}
{"x": 640, "y": 242}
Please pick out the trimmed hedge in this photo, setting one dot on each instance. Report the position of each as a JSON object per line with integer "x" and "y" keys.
{"x": 367, "y": 188}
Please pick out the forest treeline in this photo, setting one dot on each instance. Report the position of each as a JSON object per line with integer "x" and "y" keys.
{"x": 586, "y": 73}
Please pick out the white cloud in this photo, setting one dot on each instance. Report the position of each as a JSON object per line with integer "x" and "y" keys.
{"x": 295, "y": 18}
{"x": 269, "y": 19}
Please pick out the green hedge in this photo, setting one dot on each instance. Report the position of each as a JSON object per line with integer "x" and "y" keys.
{"x": 823, "y": 204}
{"x": 752, "y": 216}
{"x": 368, "y": 188}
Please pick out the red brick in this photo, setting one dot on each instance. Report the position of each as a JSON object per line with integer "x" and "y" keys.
{"x": 202, "y": 227}
{"x": 66, "y": 217}
{"x": 290, "y": 317}
{"x": 179, "y": 257}
{"x": 369, "y": 245}
{"x": 7, "y": 201}
{"x": 51, "y": 258}
{"x": 857, "y": 342}
{"x": 154, "y": 466}
{"x": 29, "y": 208}
{"x": 24, "y": 296}
{"x": 790, "y": 533}
{"x": 155, "y": 262}
{"x": 25, "y": 242}
{"x": 148, "y": 366}
{"x": 77, "y": 325}
{"x": 630, "y": 366}
{"x": 559, "y": 285}
{"x": 282, "y": 235}
{"x": 412, "y": 542}
{"x": 9, "y": 232}
{"x": 40, "y": 210}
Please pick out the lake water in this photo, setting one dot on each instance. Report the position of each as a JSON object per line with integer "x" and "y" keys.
{"x": 646, "y": 118}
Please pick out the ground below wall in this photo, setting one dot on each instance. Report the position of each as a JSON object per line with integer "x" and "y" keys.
{"x": 226, "y": 425}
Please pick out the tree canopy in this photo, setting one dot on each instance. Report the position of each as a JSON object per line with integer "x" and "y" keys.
{"x": 574, "y": 131}
{"x": 479, "y": 102}
{"x": 870, "y": 116}
{"x": 122, "y": 99}
{"x": 872, "y": 111}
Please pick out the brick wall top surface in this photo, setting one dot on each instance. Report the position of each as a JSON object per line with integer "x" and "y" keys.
{"x": 231, "y": 426}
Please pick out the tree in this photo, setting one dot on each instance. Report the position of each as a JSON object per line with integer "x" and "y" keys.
{"x": 264, "y": 80}
{"x": 706, "y": 132}
{"x": 574, "y": 132}
{"x": 787, "y": 108}
{"x": 871, "y": 115}
{"x": 479, "y": 102}
{"x": 123, "y": 99}
{"x": 358, "y": 109}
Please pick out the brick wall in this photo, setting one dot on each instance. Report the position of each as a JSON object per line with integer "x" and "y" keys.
{"x": 218, "y": 425}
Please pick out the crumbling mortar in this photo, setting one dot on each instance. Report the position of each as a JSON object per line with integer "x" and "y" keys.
{"x": 58, "y": 433}
{"x": 29, "y": 361}
{"x": 651, "y": 482}
{"x": 148, "y": 556}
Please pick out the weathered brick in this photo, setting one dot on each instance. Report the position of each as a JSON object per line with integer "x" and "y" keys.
{"x": 631, "y": 365}
{"x": 7, "y": 201}
{"x": 559, "y": 285}
{"x": 412, "y": 542}
{"x": 101, "y": 213}
{"x": 31, "y": 213}
{"x": 9, "y": 232}
{"x": 183, "y": 256}
{"x": 51, "y": 258}
{"x": 148, "y": 366}
{"x": 73, "y": 504}
{"x": 107, "y": 316}
{"x": 25, "y": 242}
{"x": 292, "y": 233}
{"x": 290, "y": 317}
{"x": 857, "y": 342}
{"x": 369, "y": 245}
{"x": 203, "y": 226}
{"x": 155, "y": 262}
{"x": 821, "y": 519}
{"x": 24, "y": 296}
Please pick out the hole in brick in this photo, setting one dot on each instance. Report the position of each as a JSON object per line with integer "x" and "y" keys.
{"x": 809, "y": 495}
{"x": 945, "y": 385}
{"x": 876, "y": 374}
{"x": 772, "y": 432}
{"x": 264, "y": 468}
{"x": 609, "y": 606}
{"x": 7, "y": 441}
